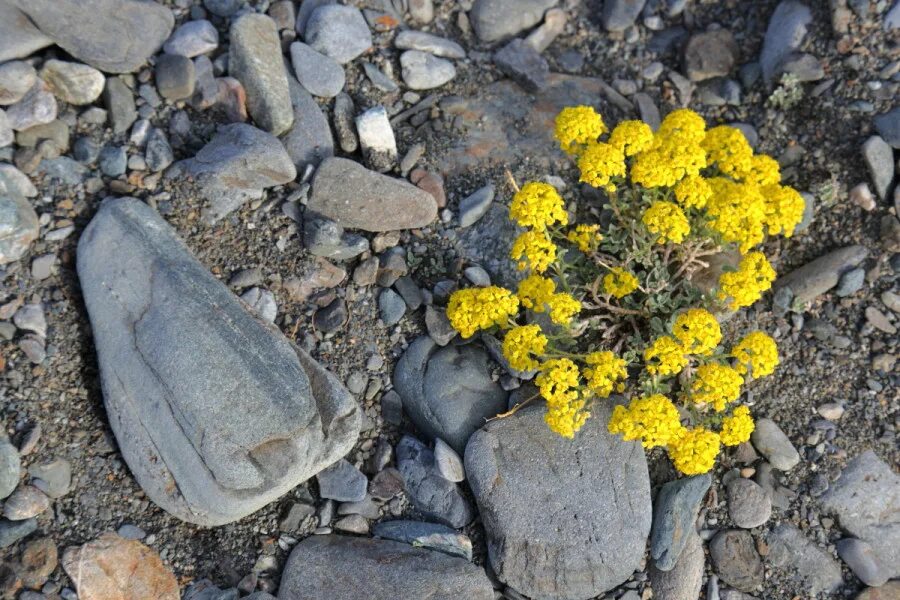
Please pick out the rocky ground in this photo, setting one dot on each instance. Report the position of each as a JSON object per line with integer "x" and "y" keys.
{"x": 185, "y": 105}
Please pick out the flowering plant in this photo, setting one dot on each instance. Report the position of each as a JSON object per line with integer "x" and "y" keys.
{"x": 619, "y": 307}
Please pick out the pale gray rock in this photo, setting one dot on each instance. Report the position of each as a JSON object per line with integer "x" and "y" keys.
{"x": 357, "y": 198}
{"x": 74, "y": 83}
{"x": 115, "y": 36}
{"x": 305, "y": 11}
{"x": 495, "y": 20}
{"x": 736, "y": 559}
{"x": 320, "y": 75}
{"x": 255, "y": 60}
{"x": 879, "y": 159}
{"x": 449, "y": 463}
{"x": 376, "y": 137}
{"x": 428, "y": 42}
{"x": 710, "y": 54}
{"x": 772, "y": 443}
{"x": 19, "y": 38}
{"x": 7, "y": 135}
{"x": 37, "y": 107}
{"x": 423, "y": 71}
{"x": 120, "y": 106}
{"x": 193, "y": 39}
{"x": 429, "y": 492}
{"x": 16, "y": 78}
{"x": 529, "y": 500}
{"x": 215, "y": 411}
{"x": 619, "y": 15}
{"x": 820, "y": 275}
{"x": 784, "y": 36}
{"x": 342, "y": 482}
{"x": 262, "y": 302}
{"x": 338, "y": 31}
{"x": 54, "y": 478}
{"x": 378, "y": 569}
{"x": 24, "y": 503}
{"x": 475, "y": 205}
{"x": 15, "y": 181}
{"x": 236, "y": 166}
{"x": 748, "y": 504}
{"x": 309, "y": 140}
{"x": 684, "y": 580}
{"x": 10, "y": 469}
{"x": 30, "y": 317}
{"x": 797, "y": 556}
{"x": 19, "y": 226}
{"x": 864, "y": 561}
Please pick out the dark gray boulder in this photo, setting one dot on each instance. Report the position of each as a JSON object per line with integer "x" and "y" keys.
{"x": 564, "y": 519}
{"x": 215, "y": 411}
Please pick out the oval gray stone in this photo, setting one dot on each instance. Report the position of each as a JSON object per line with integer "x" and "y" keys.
{"x": 772, "y": 443}
{"x": 10, "y": 468}
{"x": 563, "y": 518}
{"x": 748, "y": 504}
{"x": 820, "y": 275}
{"x": 215, "y": 411}
{"x": 338, "y": 31}
{"x": 19, "y": 226}
{"x": 494, "y": 20}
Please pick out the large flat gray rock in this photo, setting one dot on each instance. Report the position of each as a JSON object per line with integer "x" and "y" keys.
{"x": 564, "y": 519}
{"x": 19, "y": 37}
{"x": 333, "y": 567}
{"x": 116, "y": 36}
{"x": 215, "y": 411}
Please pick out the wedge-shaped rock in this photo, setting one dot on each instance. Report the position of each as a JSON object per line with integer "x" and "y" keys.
{"x": 333, "y": 567}
{"x": 116, "y": 36}
{"x": 215, "y": 411}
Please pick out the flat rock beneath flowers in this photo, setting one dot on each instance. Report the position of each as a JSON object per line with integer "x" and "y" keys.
{"x": 115, "y": 36}
{"x": 563, "y": 518}
{"x": 333, "y": 567}
{"x": 357, "y": 198}
{"x": 820, "y": 275}
{"x": 215, "y": 411}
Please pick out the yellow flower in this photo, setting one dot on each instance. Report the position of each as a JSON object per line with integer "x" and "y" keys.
{"x": 599, "y": 164}
{"x": 535, "y": 291}
{"x": 652, "y": 419}
{"x": 737, "y": 428}
{"x": 619, "y": 282}
{"x": 746, "y": 285}
{"x": 698, "y": 331}
{"x": 694, "y": 451}
{"x": 521, "y": 344}
{"x": 559, "y": 384}
{"x": 563, "y": 307}
{"x": 667, "y": 221}
{"x": 756, "y": 354}
{"x": 586, "y": 237}
{"x": 631, "y": 137}
{"x": 538, "y": 205}
{"x": 728, "y": 148}
{"x": 737, "y": 212}
{"x": 716, "y": 385}
{"x": 764, "y": 170}
{"x": 535, "y": 250}
{"x": 670, "y": 159}
{"x": 784, "y": 209}
{"x": 693, "y": 192}
{"x": 472, "y": 309}
{"x": 604, "y": 373}
{"x": 578, "y": 126}
{"x": 685, "y": 124}
{"x": 665, "y": 357}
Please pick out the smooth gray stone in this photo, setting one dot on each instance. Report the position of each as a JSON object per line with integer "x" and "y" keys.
{"x": 215, "y": 411}
{"x": 736, "y": 560}
{"x": 309, "y": 140}
{"x": 798, "y": 557}
{"x": 193, "y": 39}
{"x": 473, "y": 206}
{"x": 357, "y": 198}
{"x": 255, "y": 59}
{"x": 879, "y": 159}
{"x": 391, "y": 307}
{"x": 820, "y": 275}
{"x": 119, "y": 101}
{"x": 10, "y": 468}
{"x": 342, "y": 482}
{"x": 787, "y": 28}
{"x": 73, "y": 83}
{"x": 684, "y": 580}
{"x": 862, "y": 559}
{"x": 771, "y": 441}
{"x": 749, "y": 505}
{"x": 495, "y": 20}
{"x": 13, "y": 531}
{"x": 320, "y": 75}
{"x": 19, "y": 38}
{"x": 619, "y": 15}
{"x": 16, "y": 78}
{"x": 377, "y": 570}
{"x": 116, "y": 36}
{"x": 563, "y": 518}
{"x": 888, "y": 125}
{"x": 236, "y": 166}
{"x": 53, "y": 478}
{"x": 447, "y": 392}
{"x": 428, "y": 42}
{"x": 431, "y": 494}
{"x": 423, "y": 71}
{"x": 19, "y": 225}
{"x": 433, "y": 536}
{"x": 674, "y": 517}
{"x": 338, "y": 31}
{"x": 305, "y": 12}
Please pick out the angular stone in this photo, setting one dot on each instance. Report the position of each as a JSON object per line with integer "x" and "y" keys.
{"x": 376, "y": 136}
{"x": 772, "y": 443}
{"x": 523, "y": 64}
{"x": 378, "y": 569}
{"x": 428, "y": 42}
{"x": 116, "y": 36}
{"x": 16, "y": 78}
{"x": 12, "y": 179}
{"x": 13, "y": 531}
{"x": 430, "y": 493}
{"x": 215, "y": 411}
{"x": 37, "y": 107}
{"x": 19, "y": 226}
{"x": 309, "y": 140}
{"x": 24, "y": 503}
{"x": 255, "y": 60}
{"x": 236, "y": 166}
{"x": 113, "y": 568}
{"x": 710, "y": 54}
{"x": 19, "y": 38}
{"x": 338, "y": 31}
{"x": 73, "y": 82}
{"x": 119, "y": 102}
{"x": 494, "y": 20}
{"x": 674, "y": 517}
{"x": 619, "y": 15}
{"x": 879, "y": 159}
{"x": 888, "y": 126}
{"x": 342, "y": 482}
{"x": 817, "y": 277}
{"x": 447, "y": 392}
{"x": 357, "y": 198}
{"x": 433, "y": 536}
{"x": 423, "y": 71}
{"x": 193, "y": 39}
{"x": 784, "y": 35}
{"x": 684, "y": 580}
{"x": 175, "y": 76}
{"x": 748, "y": 504}
{"x": 10, "y": 468}
{"x": 569, "y": 521}
{"x": 799, "y": 557}
{"x": 736, "y": 560}
{"x": 53, "y": 478}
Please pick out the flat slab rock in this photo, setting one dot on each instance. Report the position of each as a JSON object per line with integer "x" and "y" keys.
{"x": 357, "y": 198}
{"x": 215, "y": 411}
{"x": 332, "y": 567}
{"x": 115, "y": 36}
{"x": 564, "y": 519}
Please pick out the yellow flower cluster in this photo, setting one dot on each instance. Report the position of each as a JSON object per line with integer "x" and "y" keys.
{"x": 716, "y": 385}
{"x": 474, "y": 309}
{"x": 756, "y": 355}
{"x": 746, "y": 285}
{"x": 563, "y": 307}
{"x": 534, "y": 250}
{"x": 698, "y": 331}
{"x": 631, "y": 137}
{"x": 737, "y": 428}
{"x": 586, "y": 237}
{"x": 667, "y": 221}
{"x": 605, "y": 373}
{"x": 538, "y": 205}
{"x": 728, "y": 149}
{"x": 784, "y": 209}
{"x": 578, "y": 126}
{"x": 675, "y": 152}
{"x": 652, "y": 419}
{"x": 764, "y": 170}
{"x": 665, "y": 357}
{"x": 693, "y": 192}
{"x": 737, "y": 211}
{"x": 558, "y": 383}
{"x": 599, "y": 164}
{"x": 619, "y": 282}
{"x": 694, "y": 451}
{"x": 535, "y": 292}
{"x": 522, "y": 344}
